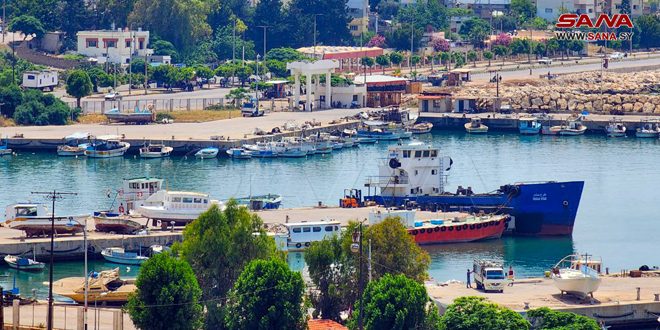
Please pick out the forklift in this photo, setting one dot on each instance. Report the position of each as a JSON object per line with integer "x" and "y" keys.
{"x": 352, "y": 199}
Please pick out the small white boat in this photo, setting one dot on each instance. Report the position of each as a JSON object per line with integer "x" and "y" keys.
{"x": 177, "y": 206}
{"x": 73, "y": 145}
{"x": 23, "y": 263}
{"x": 155, "y": 151}
{"x": 300, "y": 235}
{"x": 475, "y": 126}
{"x": 35, "y": 220}
{"x": 107, "y": 146}
{"x": 239, "y": 153}
{"x": 422, "y": 128}
{"x": 577, "y": 274}
{"x": 293, "y": 152}
{"x": 120, "y": 256}
{"x": 616, "y": 129}
{"x": 648, "y": 130}
{"x": 572, "y": 127}
{"x": 207, "y": 153}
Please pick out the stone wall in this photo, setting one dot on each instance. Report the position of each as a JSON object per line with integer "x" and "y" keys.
{"x": 619, "y": 92}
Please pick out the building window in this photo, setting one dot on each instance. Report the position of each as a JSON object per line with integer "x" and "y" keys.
{"x": 434, "y": 153}
{"x": 322, "y": 98}
{"x": 418, "y": 154}
{"x": 591, "y": 10}
{"x": 635, "y": 7}
{"x": 355, "y": 98}
{"x": 354, "y": 27}
{"x": 427, "y": 153}
{"x": 406, "y": 154}
{"x": 128, "y": 43}
{"x": 548, "y": 10}
{"x": 110, "y": 44}
{"x": 434, "y": 172}
{"x": 328, "y": 228}
{"x": 316, "y": 229}
{"x": 307, "y": 229}
{"x": 141, "y": 44}
{"x": 92, "y": 43}
{"x": 296, "y": 230}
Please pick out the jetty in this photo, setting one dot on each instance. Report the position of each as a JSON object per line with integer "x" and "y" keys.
{"x": 619, "y": 300}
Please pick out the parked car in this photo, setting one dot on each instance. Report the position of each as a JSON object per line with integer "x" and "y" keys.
{"x": 113, "y": 96}
{"x": 616, "y": 56}
{"x": 545, "y": 61}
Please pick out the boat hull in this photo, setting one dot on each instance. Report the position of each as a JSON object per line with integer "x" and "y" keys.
{"x": 647, "y": 134}
{"x": 123, "y": 261}
{"x": 119, "y": 152}
{"x": 543, "y": 209}
{"x": 4, "y": 152}
{"x": 458, "y": 232}
{"x": 37, "y": 226}
{"x": 577, "y": 286}
{"x": 116, "y": 224}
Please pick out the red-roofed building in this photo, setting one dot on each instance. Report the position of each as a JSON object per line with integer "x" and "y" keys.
{"x": 319, "y": 324}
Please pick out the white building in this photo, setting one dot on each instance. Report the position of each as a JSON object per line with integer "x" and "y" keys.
{"x": 114, "y": 46}
{"x": 551, "y": 9}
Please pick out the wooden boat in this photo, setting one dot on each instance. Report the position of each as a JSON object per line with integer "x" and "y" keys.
{"x": 22, "y": 263}
{"x": 207, "y": 153}
{"x": 570, "y": 128}
{"x": 155, "y": 151}
{"x": 120, "y": 256}
{"x": 138, "y": 116}
{"x": 35, "y": 220}
{"x": 104, "y": 287}
{"x": 261, "y": 202}
{"x": 529, "y": 126}
{"x": 577, "y": 274}
{"x": 422, "y": 128}
{"x": 616, "y": 128}
{"x": 648, "y": 130}
{"x": 475, "y": 126}
{"x": 73, "y": 145}
{"x": 109, "y": 222}
{"x": 107, "y": 146}
{"x": 470, "y": 229}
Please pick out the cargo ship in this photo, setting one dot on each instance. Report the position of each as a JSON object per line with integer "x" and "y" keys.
{"x": 414, "y": 176}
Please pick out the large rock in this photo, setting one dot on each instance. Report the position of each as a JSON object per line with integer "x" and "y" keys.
{"x": 609, "y": 107}
{"x": 628, "y": 107}
{"x": 598, "y": 105}
{"x": 588, "y": 106}
{"x": 614, "y": 99}
{"x": 637, "y": 107}
{"x": 648, "y": 107}
{"x": 537, "y": 101}
{"x": 562, "y": 104}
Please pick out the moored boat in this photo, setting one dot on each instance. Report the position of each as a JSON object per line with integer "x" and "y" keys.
{"x": 572, "y": 127}
{"x": 648, "y": 129}
{"x": 120, "y": 256}
{"x": 475, "y": 126}
{"x": 577, "y": 274}
{"x": 139, "y": 116}
{"x": 468, "y": 229}
{"x": 239, "y": 153}
{"x": 107, "y": 146}
{"x": 35, "y": 220}
{"x": 73, "y": 145}
{"x": 207, "y": 153}
{"x": 616, "y": 128}
{"x": 179, "y": 207}
{"x": 422, "y": 128}
{"x": 110, "y": 222}
{"x": 104, "y": 287}
{"x": 4, "y": 148}
{"x": 22, "y": 263}
{"x": 300, "y": 235}
{"x": 529, "y": 126}
{"x": 155, "y": 151}
{"x": 261, "y": 202}
{"x": 380, "y": 130}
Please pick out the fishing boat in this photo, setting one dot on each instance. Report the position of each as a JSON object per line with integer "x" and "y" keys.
{"x": 529, "y": 126}
{"x": 207, "y": 153}
{"x": 138, "y": 116}
{"x": 616, "y": 128}
{"x": 107, "y": 146}
{"x": 366, "y": 140}
{"x": 422, "y": 128}
{"x": 133, "y": 192}
{"x": 4, "y": 148}
{"x": 239, "y": 153}
{"x": 110, "y": 222}
{"x": 475, "y": 126}
{"x": 459, "y": 230}
{"x": 416, "y": 174}
{"x": 572, "y": 127}
{"x": 380, "y": 130}
{"x": 262, "y": 150}
{"x": 155, "y": 151}
{"x": 73, "y": 145}
{"x": 22, "y": 263}
{"x": 293, "y": 152}
{"x": 577, "y": 274}
{"x": 120, "y": 256}
{"x": 261, "y": 202}
{"x": 35, "y": 220}
{"x": 104, "y": 287}
{"x": 180, "y": 207}
{"x": 648, "y": 129}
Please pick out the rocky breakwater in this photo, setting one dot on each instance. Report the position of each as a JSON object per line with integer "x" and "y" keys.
{"x": 618, "y": 93}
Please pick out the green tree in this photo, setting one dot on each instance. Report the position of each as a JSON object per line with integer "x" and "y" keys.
{"x": 523, "y": 10}
{"x": 539, "y": 49}
{"x": 472, "y": 56}
{"x": 164, "y": 47}
{"x": 42, "y": 109}
{"x": 331, "y": 27}
{"x": 501, "y": 51}
{"x": 284, "y": 54}
{"x": 488, "y": 55}
{"x": 10, "y": 97}
{"x": 647, "y": 31}
{"x": 396, "y": 58}
{"x": 167, "y": 295}
{"x": 224, "y": 41}
{"x": 243, "y": 73}
{"x": 237, "y": 95}
{"x": 475, "y": 30}
{"x": 538, "y": 23}
{"x": 270, "y": 13}
{"x": 444, "y": 58}
{"x": 79, "y": 85}
{"x": 400, "y": 38}
{"x": 27, "y": 25}
{"x": 159, "y": 16}
{"x": 467, "y": 313}
{"x": 624, "y": 8}
{"x": 204, "y": 72}
{"x": 396, "y": 302}
{"x": 383, "y": 61}
{"x": 163, "y": 74}
{"x": 576, "y": 46}
{"x": 218, "y": 245}
{"x": 367, "y": 61}
{"x": 137, "y": 66}
{"x": 267, "y": 295}
{"x": 547, "y": 319}
{"x": 519, "y": 46}
{"x": 114, "y": 11}
{"x": 552, "y": 46}
{"x": 277, "y": 68}
{"x": 226, "y": 71}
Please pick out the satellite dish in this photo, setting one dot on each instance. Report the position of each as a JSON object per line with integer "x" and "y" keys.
{"x": 394, "y": 163}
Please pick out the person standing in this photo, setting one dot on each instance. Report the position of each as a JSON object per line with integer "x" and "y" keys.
{"x": 510, "y": 276}
{"x": 468, "y": 283}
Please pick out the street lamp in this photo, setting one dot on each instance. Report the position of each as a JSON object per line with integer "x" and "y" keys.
{"x": 96, "y": 310}
{"x": 256, "y": 84}
{"x": 264, "y": 27}
{"x": 71, "y": 224}
{"x": 315, "y": 16}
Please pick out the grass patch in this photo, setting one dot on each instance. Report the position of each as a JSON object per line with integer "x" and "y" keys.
{"x": 92, "y": 119}
{"x": 6, "y": 122}
{"x": 202, "y": 115}
{"x": 73, "y": 57}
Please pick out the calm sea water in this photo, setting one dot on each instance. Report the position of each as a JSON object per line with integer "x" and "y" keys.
{"x": 618, "y": 217}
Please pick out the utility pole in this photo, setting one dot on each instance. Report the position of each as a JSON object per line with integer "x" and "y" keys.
{"x": 256, "y": 84}
{"x": 145, "y": 73}
{"x": 233, "y": 43}
{"x": 315, "y": 16}
{"x": 53, "y": 196}
{"x": 264, "y": 27}
{"x": 130, "y": 63}
{"x": 412, "y": 37}
{"x": 4, "y": 20}
{"x": 360, "y": 286}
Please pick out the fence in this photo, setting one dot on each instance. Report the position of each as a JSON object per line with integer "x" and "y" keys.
{"x": 100, "y": 106}
{"x": 70, "y": 317}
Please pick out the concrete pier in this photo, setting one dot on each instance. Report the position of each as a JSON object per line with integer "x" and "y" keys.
{"x": 615, "y": 303}
{"x": 596, "y": 124}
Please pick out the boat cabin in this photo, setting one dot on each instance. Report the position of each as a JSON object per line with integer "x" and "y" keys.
{"x": 307, "y": 232}
{"x": 475, "y": 122}
{"x": 178, "y": 200}
{"x": 21, "y": 210}
{"x": 136, "y": 190}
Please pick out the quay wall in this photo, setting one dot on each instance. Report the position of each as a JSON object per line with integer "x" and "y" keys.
{"x": 181, "y": 145}
{"x": 73, "y": 248}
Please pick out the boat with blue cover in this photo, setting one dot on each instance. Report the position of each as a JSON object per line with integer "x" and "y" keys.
{"x": 261, "y": 202}
{"x": 529, "y": 126}
{"x": 416, "y": 175}
{"x": 380, "y": 130}
{"x": 120, "y": 256}
{"x": 107, "y": 146}
{"x": 4, "y": 148}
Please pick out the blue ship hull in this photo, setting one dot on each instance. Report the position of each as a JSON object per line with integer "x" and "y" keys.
{"x": 547, "y": 208}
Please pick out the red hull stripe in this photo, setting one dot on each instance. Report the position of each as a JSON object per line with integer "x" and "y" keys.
{"x": 458, "y": 232}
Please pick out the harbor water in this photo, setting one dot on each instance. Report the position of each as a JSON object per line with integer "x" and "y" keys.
{"x": 617, "y": 218}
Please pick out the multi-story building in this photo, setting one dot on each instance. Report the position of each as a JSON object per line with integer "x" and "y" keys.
{"x": 551, "y": 9}
{"x": 358, "y": 10}
{"x": 114, "y": 46}
{"x": 481, "y": 8}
